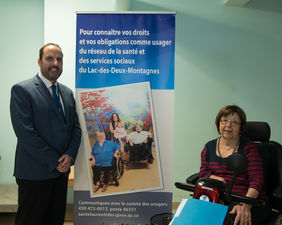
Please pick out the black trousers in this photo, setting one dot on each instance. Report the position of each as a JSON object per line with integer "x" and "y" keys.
{"x": 141, "y": 151}
{"x": 42, "y": 202}
{"x": 97, "y": 170}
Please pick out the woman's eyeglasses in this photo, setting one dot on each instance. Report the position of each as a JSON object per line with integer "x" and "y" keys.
{"x": 232, "y": 122}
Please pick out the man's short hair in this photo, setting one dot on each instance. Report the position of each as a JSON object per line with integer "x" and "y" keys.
{"x": 41, "y": 50}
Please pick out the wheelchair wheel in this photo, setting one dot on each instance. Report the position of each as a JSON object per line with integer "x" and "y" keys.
{"x": 119, "y": 167}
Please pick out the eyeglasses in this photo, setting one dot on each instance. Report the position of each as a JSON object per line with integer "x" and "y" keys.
{"x": 232, "y": 122}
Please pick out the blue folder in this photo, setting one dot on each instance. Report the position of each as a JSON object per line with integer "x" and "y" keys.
{"x": 198, "y": 212}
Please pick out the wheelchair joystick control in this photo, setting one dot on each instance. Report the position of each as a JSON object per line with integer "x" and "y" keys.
{"x": 210, "y": 190}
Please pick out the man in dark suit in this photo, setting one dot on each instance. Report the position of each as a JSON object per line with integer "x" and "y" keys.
{"x": 48, "y": 134}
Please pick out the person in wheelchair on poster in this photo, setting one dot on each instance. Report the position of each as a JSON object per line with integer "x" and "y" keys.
{"x": 102, "y": 154}
{"x": 140, "y": 143}
{"x": 231, "y": 122}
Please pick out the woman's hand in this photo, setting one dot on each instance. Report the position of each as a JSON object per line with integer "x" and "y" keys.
{"x": 130, "y": 142}
{"x": 243, "y": 210}
{"x": 93, "y": 161}
{"x": 243, "y": 216}
{"x": 217, "y": 178}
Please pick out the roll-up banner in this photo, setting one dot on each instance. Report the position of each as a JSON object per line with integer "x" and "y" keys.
{"x": 125, "y": 99}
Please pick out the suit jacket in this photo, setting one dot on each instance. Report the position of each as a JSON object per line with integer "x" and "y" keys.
{"x": 43, "y": 135}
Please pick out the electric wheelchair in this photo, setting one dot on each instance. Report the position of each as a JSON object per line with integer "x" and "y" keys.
{"x": 271, "y": 154}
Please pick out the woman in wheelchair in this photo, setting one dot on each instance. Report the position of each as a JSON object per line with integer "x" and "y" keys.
{"x": 231, "y": 122}
{"x": 102, "y": 154}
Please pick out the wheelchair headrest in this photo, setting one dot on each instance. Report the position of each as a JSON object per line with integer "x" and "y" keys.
{"x": 257, "y": 131}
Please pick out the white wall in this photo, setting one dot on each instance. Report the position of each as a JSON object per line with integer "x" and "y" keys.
{"x": 21, "y": 25}
{"x": 60, "y": 27}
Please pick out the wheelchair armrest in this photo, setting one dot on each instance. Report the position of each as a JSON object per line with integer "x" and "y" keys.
{"x": 186, "y": 187}
{"x": 233, "y": 198}
{"x": 192, "y": 179}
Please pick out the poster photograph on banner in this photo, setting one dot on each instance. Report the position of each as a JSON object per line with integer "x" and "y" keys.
{"x": 122, "y": 142}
